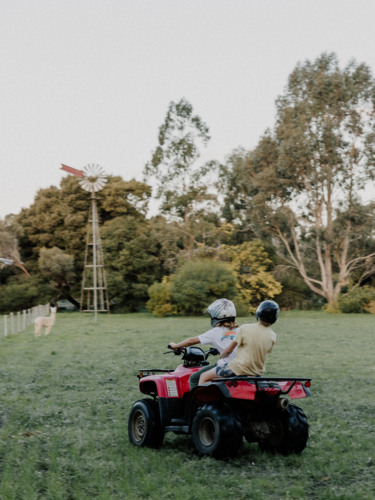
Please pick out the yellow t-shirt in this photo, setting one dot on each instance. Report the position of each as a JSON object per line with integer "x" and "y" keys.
{"x": 254, "y": 342}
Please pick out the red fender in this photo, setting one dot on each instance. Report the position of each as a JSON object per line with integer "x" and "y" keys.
{"x": 244, "y": 390}
{"x": 169, "y": 385}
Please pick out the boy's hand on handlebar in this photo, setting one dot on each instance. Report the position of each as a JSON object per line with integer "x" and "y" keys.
{"x": 173, "y": 346}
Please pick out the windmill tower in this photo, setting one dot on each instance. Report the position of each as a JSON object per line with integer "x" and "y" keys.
{"x": 94, "y": 291}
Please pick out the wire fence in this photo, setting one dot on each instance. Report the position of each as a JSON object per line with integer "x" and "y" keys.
{"x": 17, "y": 322}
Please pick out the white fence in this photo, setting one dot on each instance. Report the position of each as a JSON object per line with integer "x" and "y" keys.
{"x": 19, "y": 321}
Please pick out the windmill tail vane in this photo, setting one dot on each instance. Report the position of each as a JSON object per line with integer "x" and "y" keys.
{"x": 94, "y": 283}
{"x": 71, "y": 170}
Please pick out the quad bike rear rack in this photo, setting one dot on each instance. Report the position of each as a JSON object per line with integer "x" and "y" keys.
{"x": 258, "y": 380}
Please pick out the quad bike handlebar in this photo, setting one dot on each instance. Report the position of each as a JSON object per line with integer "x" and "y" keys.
{"x": 177, "y": 352}
{"x": 182, "y": 350}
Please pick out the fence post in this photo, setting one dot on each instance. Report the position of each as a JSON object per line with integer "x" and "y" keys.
{"x": 28, "y": 318}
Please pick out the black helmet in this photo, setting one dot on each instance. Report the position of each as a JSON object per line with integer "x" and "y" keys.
{"x": 268, "y": 311}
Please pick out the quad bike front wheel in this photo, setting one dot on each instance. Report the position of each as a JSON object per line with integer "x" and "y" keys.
{"x": 144, "y": 426}
{"x": 214, "y": 432}
{"x": 289, "y": 431}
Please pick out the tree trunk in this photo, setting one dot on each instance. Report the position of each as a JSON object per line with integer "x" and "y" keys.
{"x": 73, "y": 301}
{"x": 67, "y": 296}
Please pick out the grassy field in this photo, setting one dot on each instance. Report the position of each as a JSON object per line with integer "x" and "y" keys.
{"x": 73, "y": 391}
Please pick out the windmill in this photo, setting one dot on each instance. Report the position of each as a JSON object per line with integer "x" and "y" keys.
{"x": 92, "y": 179}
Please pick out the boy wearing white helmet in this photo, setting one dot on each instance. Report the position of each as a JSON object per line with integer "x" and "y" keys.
{"x": 254, "y": 342}
{"x": 223, "y": 331}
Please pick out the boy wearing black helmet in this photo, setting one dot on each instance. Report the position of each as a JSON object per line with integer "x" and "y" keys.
{"x": 254, "y": 342}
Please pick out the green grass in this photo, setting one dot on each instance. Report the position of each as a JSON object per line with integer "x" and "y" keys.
{"x": 74, "y": 390}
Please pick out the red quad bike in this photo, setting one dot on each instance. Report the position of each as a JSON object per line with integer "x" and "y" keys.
{"x": 218, "y": 414}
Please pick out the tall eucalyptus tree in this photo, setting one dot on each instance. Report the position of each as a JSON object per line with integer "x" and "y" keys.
{"x": 183, "y": 188}
{"x": 303, "y": 182}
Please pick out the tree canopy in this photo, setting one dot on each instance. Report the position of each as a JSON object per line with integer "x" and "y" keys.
{"x": 301, "y": 185}
{"x": 52, "y": 231}
{"x": 182, "y": 187}
{"x": 251, "y": 263}
{"x": 10, "y": 233}
{"x": 58, "y": 268}
{"x": 133, "y": 259}
{"x": 58, "y": 217}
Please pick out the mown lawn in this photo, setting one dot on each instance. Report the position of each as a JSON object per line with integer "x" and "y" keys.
{"x": 73, "y": 390}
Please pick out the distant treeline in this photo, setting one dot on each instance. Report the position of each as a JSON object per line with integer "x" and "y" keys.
{"x": 284, "y": 221}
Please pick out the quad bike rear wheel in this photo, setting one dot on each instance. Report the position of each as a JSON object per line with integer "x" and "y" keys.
{"x": 290, "y": 431}
{"x": 214, "y": 432}
{"x": 144, "y": 426}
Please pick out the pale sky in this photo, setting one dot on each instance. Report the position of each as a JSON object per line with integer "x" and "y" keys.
{"x": 89, "y": 81}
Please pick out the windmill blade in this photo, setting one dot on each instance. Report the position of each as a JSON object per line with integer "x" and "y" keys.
{"x": 98, "y": 185}
{"x": 101, "y": 182}
{"x": 71, "y": 170}
{"x": 94, "y": 178}
{"x": 86, "y": 185}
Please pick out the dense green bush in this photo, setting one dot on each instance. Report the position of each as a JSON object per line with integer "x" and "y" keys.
{"x": 251, "y": 263}
{"x": 357, "y": 301}
{"x": 160, "y": 299}
{"x": 199, "y": 282}
{"x": 22, "y": 292}
{"x": 196, "y": 284}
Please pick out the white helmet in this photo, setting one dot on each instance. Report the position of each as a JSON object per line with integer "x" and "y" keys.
{"x": 220, "y": 310}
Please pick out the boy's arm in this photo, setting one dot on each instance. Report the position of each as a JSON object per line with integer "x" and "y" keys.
{"x": 228, "y": 350}
{"x": 185, "y": 343}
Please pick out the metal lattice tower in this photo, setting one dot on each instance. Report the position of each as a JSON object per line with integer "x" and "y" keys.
{"x": 94, "y": 291}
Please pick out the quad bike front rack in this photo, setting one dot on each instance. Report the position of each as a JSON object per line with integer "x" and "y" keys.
{"x": 144, "y": 372}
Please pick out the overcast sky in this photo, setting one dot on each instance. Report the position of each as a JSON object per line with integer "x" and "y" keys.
{"x": 89, "y": 81}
